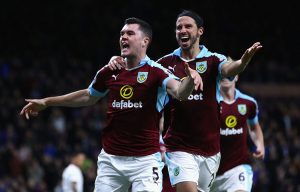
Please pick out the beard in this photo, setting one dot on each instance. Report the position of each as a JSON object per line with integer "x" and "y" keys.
{"x": 191, "y": 42}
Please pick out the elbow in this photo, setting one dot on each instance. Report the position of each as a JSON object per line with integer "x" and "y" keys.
{"x": 93, "y": 100}
{"x": 183, "y": 97}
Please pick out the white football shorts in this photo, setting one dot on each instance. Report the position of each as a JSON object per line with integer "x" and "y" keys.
{"x": 184, "y": 166}
{"x": 237, "y": 178}
{"x": 119, "y": 173}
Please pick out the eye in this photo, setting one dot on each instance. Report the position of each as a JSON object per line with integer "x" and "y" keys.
{"x": 179, "y": 27}
{"x": 131, "y": 33}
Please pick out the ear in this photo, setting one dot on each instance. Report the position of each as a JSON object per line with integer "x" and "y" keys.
{"x": 146, "y": 41}
{"x": 200, "y": 31}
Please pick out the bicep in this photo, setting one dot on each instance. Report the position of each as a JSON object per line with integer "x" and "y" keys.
{"x": 172, "y": 87}
{"x": 225, "y": 68}
{"x": 90, "y": 97}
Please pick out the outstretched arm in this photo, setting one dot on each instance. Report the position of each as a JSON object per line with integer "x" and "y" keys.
{"x": 74, "y": 99}
{"x": 256, "y": 135}
{"x": 182, "y": 90}
{"x": 232, "y": 68}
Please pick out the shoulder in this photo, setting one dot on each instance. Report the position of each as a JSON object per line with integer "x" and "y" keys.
{"x": 73, "y": 168}
{"x": 104, "y": 70}
{"x": 166, "y": 59}
{"x": 209, "y": 54}
{"x": 156, "y": 65}
{"x": 166, "y": 56}
{"x": 160, "y": 70}
{"x": 218, "y": 56}
{"x": 245, "y": 97}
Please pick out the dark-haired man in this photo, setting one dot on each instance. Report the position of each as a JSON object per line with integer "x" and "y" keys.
{"x": 192, "y": 139}
{"x": 136, "y": 96}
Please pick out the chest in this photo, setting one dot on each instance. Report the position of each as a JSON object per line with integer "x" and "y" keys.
{"x": 206, "y": 68}
{"x": 132, "y": 84}
{"x": 235, "y": 113}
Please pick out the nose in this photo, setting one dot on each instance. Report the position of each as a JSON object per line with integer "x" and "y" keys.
{"x": 182, "y": 30}
{"x": 123, "y": 36}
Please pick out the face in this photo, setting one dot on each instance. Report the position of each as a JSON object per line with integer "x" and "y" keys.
{"x": 187, "y": 32}
{"x": 132, "y": 41}
{"x": 80, "y": 158}
{"x": 226, "y": 83}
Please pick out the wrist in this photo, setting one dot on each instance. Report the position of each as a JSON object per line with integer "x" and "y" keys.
{"x": 45, "y": 102}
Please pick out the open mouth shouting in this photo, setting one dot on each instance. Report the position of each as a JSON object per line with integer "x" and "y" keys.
{"x": 124, "y": 47}
{"x": 184, "y": 40}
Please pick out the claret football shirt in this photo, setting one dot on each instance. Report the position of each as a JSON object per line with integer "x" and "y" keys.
{"x": 235, "y": 118}
{"x": 193, "y": 125}
{"x": 136, "y": 98}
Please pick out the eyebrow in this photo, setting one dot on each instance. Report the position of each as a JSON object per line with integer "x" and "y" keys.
{"x": 126, "y": 31}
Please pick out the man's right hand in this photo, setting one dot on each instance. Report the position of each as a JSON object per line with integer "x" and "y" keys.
{"x": 33, "y": 107}
{"x": 116, "y": 62}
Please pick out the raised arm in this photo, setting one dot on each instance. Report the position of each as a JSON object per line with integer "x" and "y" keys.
{"x": 73, "y": 99}
{"x": 234, "y": 67}
{"x": 256, "y": 135}
{"x": 181, "y": 90}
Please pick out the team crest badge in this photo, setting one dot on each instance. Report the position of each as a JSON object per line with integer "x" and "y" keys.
{"x": 142, "y": 77}
{"x": 242, "y": 109}
{"x": 176, "y": 171}
{"x": 201, "y": 66}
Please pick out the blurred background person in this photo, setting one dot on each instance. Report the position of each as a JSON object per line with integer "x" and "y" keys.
{"x": 239, "y": 116}
{"x": 72, "y": 177}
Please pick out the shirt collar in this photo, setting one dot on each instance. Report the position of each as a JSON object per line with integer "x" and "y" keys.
{"x": 144, "y": 61}
{"x": 203, "y": 51}
{"x": 237, "y": 94}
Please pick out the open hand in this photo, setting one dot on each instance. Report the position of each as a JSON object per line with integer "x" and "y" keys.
{"x": 247, "y": 56}
{"x": 195, "y": 76}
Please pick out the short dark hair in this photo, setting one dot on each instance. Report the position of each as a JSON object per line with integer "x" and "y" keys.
{"x": 144, "y": 26}
{"x": 198, "y": 20}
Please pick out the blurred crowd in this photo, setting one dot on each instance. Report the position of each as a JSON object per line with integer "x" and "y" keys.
{"x": 59, "y": 48}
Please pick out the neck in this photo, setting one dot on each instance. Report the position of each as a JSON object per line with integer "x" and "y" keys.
{"x": 190, "y": 53}
{"x": 132, "y": 62}
{"x": 228, "y": 94}
{"x": 75, "y": 162}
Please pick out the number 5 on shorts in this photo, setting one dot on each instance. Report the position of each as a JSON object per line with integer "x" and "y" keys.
{"x": 155, "y": 174}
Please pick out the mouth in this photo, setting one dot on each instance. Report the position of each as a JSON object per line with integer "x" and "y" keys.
{"x": 184, "y": 39}
{"x": 124, "y": 46}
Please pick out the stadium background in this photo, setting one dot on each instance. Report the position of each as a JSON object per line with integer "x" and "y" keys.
{"x": 53, "y": 47}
